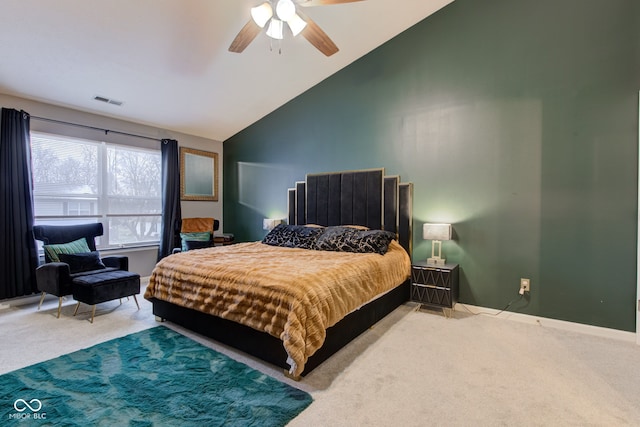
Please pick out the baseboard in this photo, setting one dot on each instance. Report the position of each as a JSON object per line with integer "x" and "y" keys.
{"x": 550, "y": 323}
{"x": 35, "y": 298}
{"x": 25, "y": 300}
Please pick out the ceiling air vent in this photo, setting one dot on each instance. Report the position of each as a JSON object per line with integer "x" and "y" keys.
{"x": 107, "y": 100}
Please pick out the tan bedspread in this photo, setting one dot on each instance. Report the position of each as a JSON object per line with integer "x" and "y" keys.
{"x": 292, "y": 294}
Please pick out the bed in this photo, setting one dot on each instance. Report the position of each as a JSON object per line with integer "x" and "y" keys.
{"x": 289, "y": 304}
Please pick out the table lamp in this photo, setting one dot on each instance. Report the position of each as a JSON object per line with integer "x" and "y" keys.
{"x": 436, "y": 233}
{"x": 270, "y": 223}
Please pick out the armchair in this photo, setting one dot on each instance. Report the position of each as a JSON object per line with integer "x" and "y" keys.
{"x": 193, "y": 233}
{"x": 60, "y": 278}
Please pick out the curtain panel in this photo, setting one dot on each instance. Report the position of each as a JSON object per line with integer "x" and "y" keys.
{"x": 18, "y": 255}
{"x": 171, "y": 213}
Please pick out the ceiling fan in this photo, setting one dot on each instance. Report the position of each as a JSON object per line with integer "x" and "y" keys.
{"x": 286, "y": 11}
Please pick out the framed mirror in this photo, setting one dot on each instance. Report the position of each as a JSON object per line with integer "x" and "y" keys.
{"x": 198, "y": 175}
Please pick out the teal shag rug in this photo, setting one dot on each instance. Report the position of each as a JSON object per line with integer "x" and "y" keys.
{"x": 156, "y": 377}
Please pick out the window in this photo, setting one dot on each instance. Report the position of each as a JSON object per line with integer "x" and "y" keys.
{"x": 78, "y": 181}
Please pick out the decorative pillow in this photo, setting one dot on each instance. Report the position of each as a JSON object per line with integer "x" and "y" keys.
{"x": 348, "y": 239}
{"x": 77, "y": 246}
{"x": 201, "y": 236}
{"x": 80, "y": 262}
{"x": 357, "y": 227}
{"x": 293, "y": 236}
{"x": 198, "y": 244}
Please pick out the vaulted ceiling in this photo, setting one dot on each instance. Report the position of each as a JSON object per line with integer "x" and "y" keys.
{"x": 168, "y": 62}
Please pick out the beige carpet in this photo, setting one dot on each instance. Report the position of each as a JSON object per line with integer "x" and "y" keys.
{"x": 414, "y": 368}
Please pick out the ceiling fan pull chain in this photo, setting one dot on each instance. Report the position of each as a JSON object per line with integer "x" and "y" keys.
{"x": 279, "y": 42}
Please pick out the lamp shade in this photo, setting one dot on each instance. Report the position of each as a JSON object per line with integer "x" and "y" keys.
{"x": 436, "y": 231}
{"x": 270, "y": 223}
{"x": 261, "y": 14}
{"x": 285, "y": 9}
{"x": 275, "y": 29}
{"x": 296, "y": 24}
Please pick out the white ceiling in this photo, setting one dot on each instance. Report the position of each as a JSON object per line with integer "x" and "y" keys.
{"x": 167, "y": 60}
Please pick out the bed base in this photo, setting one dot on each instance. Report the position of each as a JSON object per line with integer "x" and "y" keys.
{"x": 270, "y": 349}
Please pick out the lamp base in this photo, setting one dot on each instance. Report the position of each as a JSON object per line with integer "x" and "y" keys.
{"x": 436, "y": 261}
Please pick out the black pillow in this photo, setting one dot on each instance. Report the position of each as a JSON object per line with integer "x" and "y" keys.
{"x": 198, "y": 244}
{"x": 347, "y": 239}
{"x": 293, "y": 236}
{"x": 84, "y": 261}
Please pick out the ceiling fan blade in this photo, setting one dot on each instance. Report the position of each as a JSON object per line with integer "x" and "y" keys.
{"x": 308, "y": 3}
{"x": 318, "y": 38}
{"x": 245, "y": 36}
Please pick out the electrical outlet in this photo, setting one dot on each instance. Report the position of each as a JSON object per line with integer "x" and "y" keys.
{"x": 525, "y": 285}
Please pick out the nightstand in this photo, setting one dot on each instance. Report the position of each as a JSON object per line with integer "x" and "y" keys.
{"x": 223, "y": 239}
{"x": 435, "y": 285}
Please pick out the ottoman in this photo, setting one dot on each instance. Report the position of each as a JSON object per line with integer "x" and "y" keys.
{"x": 95, "y": 288}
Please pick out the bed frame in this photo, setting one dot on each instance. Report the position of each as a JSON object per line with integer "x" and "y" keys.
{"x": 364, "y": 197}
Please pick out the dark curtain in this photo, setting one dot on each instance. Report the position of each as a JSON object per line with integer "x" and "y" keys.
{"x": 171, "y": 214}
{"x": 18, "y": 255}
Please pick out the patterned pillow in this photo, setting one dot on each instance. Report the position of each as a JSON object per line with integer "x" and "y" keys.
{"x": 348, "y": 239}
{"x": 357, "y": 227}
{"x": 77, "y": 246}
{"x": 85, "y": 261}
{"x": 201, "y": 236}
{"x": 293, "y": 236}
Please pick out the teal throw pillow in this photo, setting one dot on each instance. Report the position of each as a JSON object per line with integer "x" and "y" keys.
{"x": 201, "y": 236}
{"x": 77, "y": 246}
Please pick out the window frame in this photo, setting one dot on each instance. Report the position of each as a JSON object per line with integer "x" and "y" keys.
{"x": 100, "y": 202}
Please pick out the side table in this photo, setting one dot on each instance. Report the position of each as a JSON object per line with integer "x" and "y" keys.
{"x": 223, "y": 239}
{"x": 435, "y": 285}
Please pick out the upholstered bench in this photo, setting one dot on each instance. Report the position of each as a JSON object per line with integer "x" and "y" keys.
{"x": 101, "y": 287}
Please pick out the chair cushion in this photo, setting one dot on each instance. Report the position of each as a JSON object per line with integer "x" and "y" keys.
{"x": 86, "y": 273}
{"x": 104, "y": 277}
{"x": 198, "y": 244}
{"x": 201, "y": 236}
{"x": 77, "y": 246}
{"x": 106, "y": 286}
{"x": 84, "y": 261}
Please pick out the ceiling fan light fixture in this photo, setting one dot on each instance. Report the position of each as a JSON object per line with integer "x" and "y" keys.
{"x": 296, "y": 24}
{"x": 272, "y": 14}
{"x": 285, "y": 9}
{"x": 275, "y": 29}
{"x": 261, "y": 14}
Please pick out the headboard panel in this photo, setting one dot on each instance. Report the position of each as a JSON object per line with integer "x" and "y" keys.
{"x": 391, "y": 200}
{"x": 291, "y": 206}
{"x": 340, "y": 198}
{"x": 405, "y": 216}
{"x": 364, "y": 197}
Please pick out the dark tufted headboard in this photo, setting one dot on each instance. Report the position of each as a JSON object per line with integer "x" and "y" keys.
{"x": 364, "y": 197}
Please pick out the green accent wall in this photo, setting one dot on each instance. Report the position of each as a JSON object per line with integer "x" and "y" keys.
{"x": 516, "y": 120}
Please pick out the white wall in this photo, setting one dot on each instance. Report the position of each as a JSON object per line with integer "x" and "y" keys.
{"x": 140, "y": 261}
